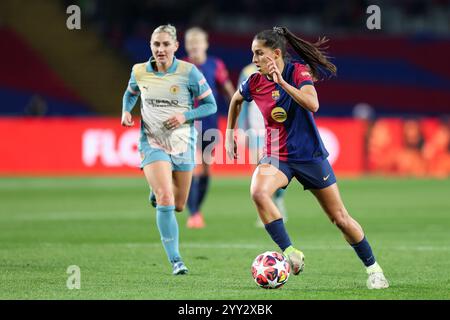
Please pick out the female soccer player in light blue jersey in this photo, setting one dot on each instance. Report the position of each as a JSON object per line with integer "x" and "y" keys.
{"x": 167, "y": 88}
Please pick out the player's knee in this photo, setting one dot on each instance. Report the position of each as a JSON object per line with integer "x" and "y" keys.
{"x": 340, "y": 218}
{"x": 260, "y": 195}
{"x": 179, "y": 207}
{"x": 164, "y": 197}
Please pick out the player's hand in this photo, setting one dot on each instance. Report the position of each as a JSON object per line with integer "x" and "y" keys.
{"x": 175, "y": 121}
{"x": 230, "y": 144}
{"x": 274, "y": 71}
{"x": 127, "y": 119}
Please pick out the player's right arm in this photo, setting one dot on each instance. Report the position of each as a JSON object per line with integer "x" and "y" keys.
{"x": 130, "y": 98}
{"x": 241, "y": 95}
{"x": 233, "y": 114}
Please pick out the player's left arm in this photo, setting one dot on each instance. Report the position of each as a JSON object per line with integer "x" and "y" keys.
{"x": 229, "y": 89}
{"x": 306, "y": 96}
{"x": 129, "y": 100}
{"x": 223, "y": 78}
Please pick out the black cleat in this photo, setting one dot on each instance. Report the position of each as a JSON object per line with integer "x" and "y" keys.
{"x": 152, "y": 199}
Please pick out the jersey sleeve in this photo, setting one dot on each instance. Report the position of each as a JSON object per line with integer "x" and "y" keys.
{"x": 221, "y": 74}
{"x": 198, "y": 85}
{"x": 131, "y": 94}
{"x": 133, "y": 87}
{"x": 244, "y": 89}
{"x": 302, "y": 76}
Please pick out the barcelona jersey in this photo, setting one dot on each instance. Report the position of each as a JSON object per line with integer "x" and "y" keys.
{"x": 215, "y": 74}
{"x": 291, "y": 132}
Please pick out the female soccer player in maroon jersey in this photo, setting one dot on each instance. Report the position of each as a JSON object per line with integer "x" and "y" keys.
{"x": 284, "y": 91}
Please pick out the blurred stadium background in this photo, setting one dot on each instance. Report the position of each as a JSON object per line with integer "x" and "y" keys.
{"x": 391, "y": 96}
{"x": 385, "y": 115}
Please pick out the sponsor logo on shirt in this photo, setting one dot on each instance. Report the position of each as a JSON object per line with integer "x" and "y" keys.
{"x": 279, "y": 114}
{"x": 161, "y": 103}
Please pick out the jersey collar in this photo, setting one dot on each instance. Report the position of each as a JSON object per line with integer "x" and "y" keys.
{"x": 172, "y": 68}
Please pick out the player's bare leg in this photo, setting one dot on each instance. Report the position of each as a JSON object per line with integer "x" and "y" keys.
{"x": 159, "y": 178}
{"x": 331, "y": 202}
{"x": 181, "y": 185}
{"x": 265, "y": 181}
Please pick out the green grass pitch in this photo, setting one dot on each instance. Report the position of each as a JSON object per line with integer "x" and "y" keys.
{"x": 107, "y": 228}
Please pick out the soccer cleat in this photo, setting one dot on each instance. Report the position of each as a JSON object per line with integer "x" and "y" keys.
{"x": 376, "y": 279}
{"x": 196, "y": 221}
{"x": 152, "y": 199}
{"x": 179, "y": 268}
{"x": 296, "y": 259}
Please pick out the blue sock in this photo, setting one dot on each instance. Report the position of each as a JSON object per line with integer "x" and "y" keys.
{"x": 168, "y": 229}
{"x": 278, "y": 233}
{"x": 203, "y": 184}
{"x": 364, "y": 252}
{"x": 192, "y": 202}
{"x": 280, "y": 193}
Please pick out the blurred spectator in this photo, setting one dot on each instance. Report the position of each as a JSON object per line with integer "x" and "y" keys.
{"x": 37, "y": 106}
{"x": 399, "y": 147}
{"x": 381, "y": 149}
{"x": 363, "y": 111}
{"x": 437, "y": 151}
{"x": 409, "y": 161}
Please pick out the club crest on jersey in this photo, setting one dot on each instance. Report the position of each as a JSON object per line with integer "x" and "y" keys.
{"x": 279, "y": 114}
{"x": 275, "y": 95}
{"x": 174, "y": 89}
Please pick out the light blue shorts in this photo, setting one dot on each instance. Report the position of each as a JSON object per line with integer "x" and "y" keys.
{"x": 180, "y": 162}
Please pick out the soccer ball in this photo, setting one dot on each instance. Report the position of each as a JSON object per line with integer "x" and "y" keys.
{"x": 270, "y": 270}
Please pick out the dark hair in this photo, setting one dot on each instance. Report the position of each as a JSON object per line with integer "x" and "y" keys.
{"x": 312, "y": 53}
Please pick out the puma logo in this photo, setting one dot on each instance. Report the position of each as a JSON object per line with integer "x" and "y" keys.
{"x": 326, "y": 178}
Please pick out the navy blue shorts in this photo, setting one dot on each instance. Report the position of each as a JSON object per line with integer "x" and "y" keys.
{"x": 312, "y": 175}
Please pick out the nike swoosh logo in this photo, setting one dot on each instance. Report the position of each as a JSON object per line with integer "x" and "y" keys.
{"x": 258, "y": 89}
{"x": 326, "y": 178}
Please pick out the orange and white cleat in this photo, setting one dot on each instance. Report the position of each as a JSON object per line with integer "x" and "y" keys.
{"x": 196, "y": 221}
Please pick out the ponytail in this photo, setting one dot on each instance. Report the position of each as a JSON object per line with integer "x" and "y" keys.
{"x": 312, "y": 53}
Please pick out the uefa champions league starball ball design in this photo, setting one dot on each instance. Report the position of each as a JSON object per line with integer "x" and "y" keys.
{"x": 270, "y": 270}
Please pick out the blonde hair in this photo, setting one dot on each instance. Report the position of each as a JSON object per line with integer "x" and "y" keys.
{"x": 169, "y": 29}
{"x": 196, "y": 30}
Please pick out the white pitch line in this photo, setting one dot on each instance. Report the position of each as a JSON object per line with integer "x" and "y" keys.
{"x": 223, "y": 245}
